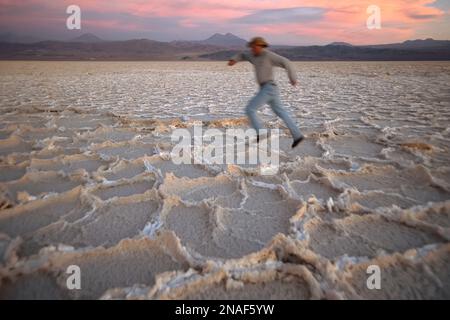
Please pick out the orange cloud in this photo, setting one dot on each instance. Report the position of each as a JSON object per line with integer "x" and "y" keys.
{"x": 339, "y": 20}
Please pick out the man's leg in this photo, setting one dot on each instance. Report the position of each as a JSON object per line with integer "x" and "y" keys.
{"x": 275, "y": 104}
{"x": 253, "y": 105}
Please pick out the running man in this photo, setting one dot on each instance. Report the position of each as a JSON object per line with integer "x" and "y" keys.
{"x": 264, "y": 60}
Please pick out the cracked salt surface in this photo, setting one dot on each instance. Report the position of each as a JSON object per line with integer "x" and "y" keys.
{"x": 86, "y": 178}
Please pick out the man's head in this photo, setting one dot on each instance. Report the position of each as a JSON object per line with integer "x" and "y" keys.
{"x": 257, "y": 45}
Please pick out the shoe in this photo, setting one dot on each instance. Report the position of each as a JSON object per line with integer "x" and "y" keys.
{"x": 297, "y": 141}
{"x": 260, "y": 138}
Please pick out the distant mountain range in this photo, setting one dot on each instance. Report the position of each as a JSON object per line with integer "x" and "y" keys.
{"x": 216, "y": 41}
{"x": 341, "y": 44}
{"x": 217, "y": 47}
{"x": 225, "y": 40}
{"x": 87, "y": 38}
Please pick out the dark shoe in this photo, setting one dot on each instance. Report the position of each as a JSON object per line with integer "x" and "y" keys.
{"x": 260, "y": 138}
{"x": 297, "y": 141}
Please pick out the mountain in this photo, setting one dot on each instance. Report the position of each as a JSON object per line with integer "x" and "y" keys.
{"x": 216, "y": 47}
{"x": 418, "y": 44}
{"x": 225, "y": 40}
{"x": 427, "y": 43}
{"x": 137, "y": 49}
{"x": 340, "y": 44}
{"x": 87, "y": 38}
{"x": 412, "y": 50}
{"x": 346, "y": 53}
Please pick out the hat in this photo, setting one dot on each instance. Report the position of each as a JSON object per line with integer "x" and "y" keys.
{"x": 258, "y": 41}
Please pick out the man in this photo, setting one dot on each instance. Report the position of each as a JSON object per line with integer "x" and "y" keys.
{"x": 264, "y": 60}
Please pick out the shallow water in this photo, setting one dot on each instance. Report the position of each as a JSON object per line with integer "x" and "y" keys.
{"x": 86, "y": 178}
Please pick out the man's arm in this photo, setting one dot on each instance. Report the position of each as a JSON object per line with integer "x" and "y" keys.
{"x": 283, "y": 62}
{"x": 236, "y": 58}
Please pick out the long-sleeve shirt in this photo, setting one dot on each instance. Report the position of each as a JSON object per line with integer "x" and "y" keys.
{"x": 264, "y": 63}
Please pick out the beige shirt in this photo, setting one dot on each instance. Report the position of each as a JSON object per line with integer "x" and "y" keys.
{"x": 264, "y": 64}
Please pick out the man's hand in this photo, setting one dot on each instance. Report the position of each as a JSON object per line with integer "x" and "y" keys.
{"x": 294, "y": 82}
{"x": 231, "y": 63}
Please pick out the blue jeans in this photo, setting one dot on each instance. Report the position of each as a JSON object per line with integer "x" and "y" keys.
{"x": 269, "y": 94}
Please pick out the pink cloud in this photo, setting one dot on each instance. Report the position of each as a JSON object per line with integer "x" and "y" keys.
{"x": 343, "y": 20}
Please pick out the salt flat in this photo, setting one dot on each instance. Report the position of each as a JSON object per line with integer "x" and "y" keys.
{"x": 86, "y": 179}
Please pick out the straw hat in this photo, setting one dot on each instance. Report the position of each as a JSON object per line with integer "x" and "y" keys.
{"x": 258, "y": 41}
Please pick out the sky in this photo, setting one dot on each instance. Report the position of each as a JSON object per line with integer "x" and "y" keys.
{"x": 290, "y": 22}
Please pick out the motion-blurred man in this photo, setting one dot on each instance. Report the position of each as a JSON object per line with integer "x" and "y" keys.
{"x": 264, "y": 60}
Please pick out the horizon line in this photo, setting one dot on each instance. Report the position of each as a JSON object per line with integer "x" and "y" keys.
{"x": 204, "y": 39}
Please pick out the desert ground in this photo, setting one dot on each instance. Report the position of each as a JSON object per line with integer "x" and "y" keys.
{"x": 86, "y": 179}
